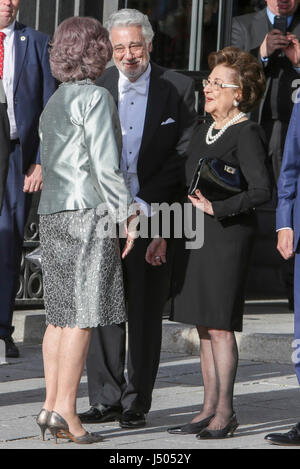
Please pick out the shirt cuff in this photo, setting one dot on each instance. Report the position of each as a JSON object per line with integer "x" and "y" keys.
{"x": 146, "y": 208}
{"x": 284, "y": 228}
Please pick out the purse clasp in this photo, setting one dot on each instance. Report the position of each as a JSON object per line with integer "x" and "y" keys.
{"x": 229, "y": 169}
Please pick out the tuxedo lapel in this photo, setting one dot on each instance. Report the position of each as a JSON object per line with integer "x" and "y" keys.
{"x": 21, "y": 44}
{"x": 157, "y": 97}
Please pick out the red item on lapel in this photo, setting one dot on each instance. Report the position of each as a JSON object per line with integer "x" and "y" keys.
{"x": 2, "y": 37}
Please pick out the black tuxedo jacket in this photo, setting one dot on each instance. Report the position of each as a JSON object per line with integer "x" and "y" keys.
{"x": 163, "y": 149}
{"x": 248, "y": 33}
{"x": 4, "y": 143}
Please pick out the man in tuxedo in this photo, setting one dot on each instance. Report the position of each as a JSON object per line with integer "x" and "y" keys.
{"x": 288, "y": 228}
{"x": 279, "y": 54}
{"x": 28, "y": 84}
{"x": 156, "y": 109}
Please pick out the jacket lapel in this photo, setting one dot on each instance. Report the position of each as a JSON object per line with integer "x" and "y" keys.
{"x": 295, "y": 25}
{"x": 21, "y": 44}
{"x": 261, "y": 26}
{"x": 157, "y": 97}
{"x": 111, "y": 84}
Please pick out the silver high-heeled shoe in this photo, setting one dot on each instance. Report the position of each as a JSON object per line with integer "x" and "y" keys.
{"x": 60, "y": 429}
{"x": 42, "y": 421}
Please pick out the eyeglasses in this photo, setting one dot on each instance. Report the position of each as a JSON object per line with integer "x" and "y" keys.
{"x": 133, "y": 49}
{"x": 216, "y": 84}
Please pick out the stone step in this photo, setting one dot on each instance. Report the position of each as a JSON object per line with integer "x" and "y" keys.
{"x": 267, "y": 336}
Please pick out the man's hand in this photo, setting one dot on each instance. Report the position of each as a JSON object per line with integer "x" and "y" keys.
{"x": 292, "y": 51}
{"x": 285, "y": 243}
{"x": 273, "y": 41}
{"x": 156, "y": 252}
{"x": 33, "y": 179}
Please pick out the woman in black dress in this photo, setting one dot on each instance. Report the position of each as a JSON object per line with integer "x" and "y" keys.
{"x": 212, "y": 292}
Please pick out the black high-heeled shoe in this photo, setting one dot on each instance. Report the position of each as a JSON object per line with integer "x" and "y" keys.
{"x": 229, "y": 429}
{"x": 190, "y": 428}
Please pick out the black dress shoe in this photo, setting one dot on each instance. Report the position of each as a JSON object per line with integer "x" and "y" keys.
{"x": 285, "y": 439}
{"x": 190, "y": 428}
{"x": 11, "y": 350}
{"x": 100, "y": 414}
{"x": 131, "y": 419}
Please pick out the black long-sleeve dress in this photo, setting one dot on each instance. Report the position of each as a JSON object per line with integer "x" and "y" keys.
{"x": 209, "y": 283}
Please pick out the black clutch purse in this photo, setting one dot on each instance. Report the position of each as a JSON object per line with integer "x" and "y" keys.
{"x": 217, "y": 180}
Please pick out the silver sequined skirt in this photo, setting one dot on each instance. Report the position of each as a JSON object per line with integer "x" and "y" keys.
{"x": 82, "y": 272}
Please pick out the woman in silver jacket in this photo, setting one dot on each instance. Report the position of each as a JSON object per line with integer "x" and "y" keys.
{"x": 84, "y": 195}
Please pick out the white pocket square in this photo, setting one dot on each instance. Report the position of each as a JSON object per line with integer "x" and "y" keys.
{"x": 168, "y": 121}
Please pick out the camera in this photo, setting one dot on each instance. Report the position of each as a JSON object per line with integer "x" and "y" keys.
{"x": 280, "y": 23}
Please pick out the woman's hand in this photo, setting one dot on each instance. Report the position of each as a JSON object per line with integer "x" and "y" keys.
{"x": 131, "y": 229}
{"x": 199, "y": 201}
{"x": 156, "y": 252}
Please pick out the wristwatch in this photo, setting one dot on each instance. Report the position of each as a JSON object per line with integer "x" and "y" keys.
{"x": 264, "y": 60}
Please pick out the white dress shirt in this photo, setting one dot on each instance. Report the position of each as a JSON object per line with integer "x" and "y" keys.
{"x": 133, "y": 98}
{"x": 271, "y": 17}
{"x": 8, "y": 76}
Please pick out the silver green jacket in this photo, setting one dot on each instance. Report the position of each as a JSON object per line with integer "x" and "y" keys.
{"x": 81, "y": 145}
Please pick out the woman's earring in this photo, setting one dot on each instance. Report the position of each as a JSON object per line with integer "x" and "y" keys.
{"x": 235, "y": 103}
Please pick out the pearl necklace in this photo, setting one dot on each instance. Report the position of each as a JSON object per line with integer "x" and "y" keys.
{"x": 212, "y": 138}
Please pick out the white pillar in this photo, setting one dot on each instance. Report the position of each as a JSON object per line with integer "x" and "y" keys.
{"x": 2, "y": 353}
{"x": 37, "y": 15}
{"x": 108, "y": 8}
{"x": 76, "y": 7}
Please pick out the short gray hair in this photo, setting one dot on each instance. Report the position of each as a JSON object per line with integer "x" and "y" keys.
{"x": 131, "y": 17}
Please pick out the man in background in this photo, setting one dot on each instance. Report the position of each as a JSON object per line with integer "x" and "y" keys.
{"x": 4, "y": 142}
{"x": 279, "y": 54}
{"x": 28, "y": 84}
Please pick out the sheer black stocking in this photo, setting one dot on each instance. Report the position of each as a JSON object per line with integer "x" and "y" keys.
{"x": 225, "y": 353}
{"x": 209, "y": 376}
{"x": 219, "y": 360}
